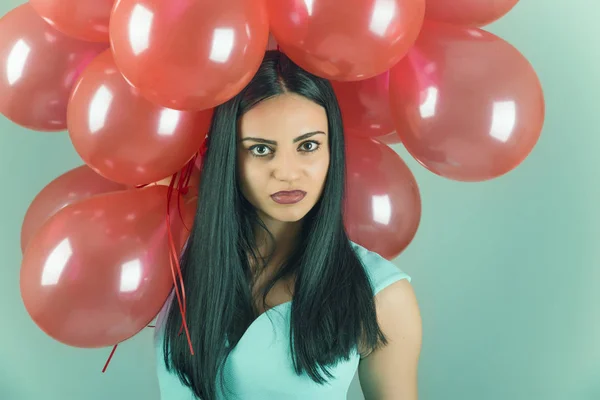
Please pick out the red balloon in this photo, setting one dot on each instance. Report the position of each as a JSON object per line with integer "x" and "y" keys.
{"x": 392, "y": 138}
{"x": 468, "y": 12}
{"x": 466, "y": 104}
{"x": 272, "y": 43}
{"x": 124, "y": 137}
{"x": 81, "y": 19}
{"x": 98, "y": 271}
{"x": 188, "y": 185}
{"x": 71, "y": 187}
{"x": 383, "y": 206}
{"x": 346, "y": 40}
{"x": 365, "y": 106}
{"x": 39, "y": 67}
{"x": 189, "y": 55}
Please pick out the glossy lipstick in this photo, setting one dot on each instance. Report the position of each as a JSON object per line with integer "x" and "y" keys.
{"x": 290, "y": 197}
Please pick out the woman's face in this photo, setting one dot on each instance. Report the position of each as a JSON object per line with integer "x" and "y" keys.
{"x": 283, "y": 155}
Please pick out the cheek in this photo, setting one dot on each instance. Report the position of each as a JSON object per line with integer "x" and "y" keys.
{"x": 243, "y": 173}
{"x": 318, "y": 170}
{"x": 251, "y": 177}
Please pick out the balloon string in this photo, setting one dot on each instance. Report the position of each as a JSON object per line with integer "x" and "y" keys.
{"x": 183, "y": 180}
{"x": 174, "y": 260}
{"x": 183, "y": 185}
{"x": 109, "y": 358}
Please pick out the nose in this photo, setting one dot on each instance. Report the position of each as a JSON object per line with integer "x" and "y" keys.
{"x": 286, "y": 168}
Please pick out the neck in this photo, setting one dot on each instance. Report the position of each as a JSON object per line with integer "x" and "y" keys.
{"x": 285, "y": 235}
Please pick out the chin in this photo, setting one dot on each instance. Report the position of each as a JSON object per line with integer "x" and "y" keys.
{"x": 288, "y": 216}
{"x": 292, "y": 213}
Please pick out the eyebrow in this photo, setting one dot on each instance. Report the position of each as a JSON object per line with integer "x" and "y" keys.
{"x": 274, "y": 143}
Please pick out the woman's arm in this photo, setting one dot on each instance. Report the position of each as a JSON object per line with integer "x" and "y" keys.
{"x": 390, "y": 373}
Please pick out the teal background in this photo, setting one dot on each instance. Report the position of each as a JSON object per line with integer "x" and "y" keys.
{"x": 506, "y": 272}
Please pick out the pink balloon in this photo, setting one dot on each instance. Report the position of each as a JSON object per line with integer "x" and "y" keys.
{"x": 383, "y": 206}
{"x": 189, "y": 55}
{"x": 346, "y": 40}
{"x": 392, "y": 138}
{"x": 365, "y": 106}
{"x": 39, "y": 67}
{"x": 81, "y": 19}
{"x": 98, "y": 271}
{"x": 73, "y": 186}
{"x": 466, "y": 104}
{"x": 124, "y": 137}
{"x": 272, "y": 43}
{"x": 468, "y": 12}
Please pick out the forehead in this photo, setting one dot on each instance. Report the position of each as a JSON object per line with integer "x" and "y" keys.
{"x": 284, "y": 115}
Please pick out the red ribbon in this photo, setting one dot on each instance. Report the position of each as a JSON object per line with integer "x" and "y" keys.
{"x": 181, "y": 179}
{"x": 174, "y": 255}
{"x": 203, "y": 148}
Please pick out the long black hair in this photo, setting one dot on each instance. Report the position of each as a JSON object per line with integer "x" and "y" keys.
{"x": 333, "y": 307}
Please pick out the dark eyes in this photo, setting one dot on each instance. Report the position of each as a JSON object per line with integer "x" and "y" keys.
{"x": 259, "y": 150}
{"x": 262, "y": 150}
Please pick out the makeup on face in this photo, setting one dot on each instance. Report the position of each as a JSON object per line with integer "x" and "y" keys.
{"x": 288, "y": 197}
{"x": 283, "y": 156}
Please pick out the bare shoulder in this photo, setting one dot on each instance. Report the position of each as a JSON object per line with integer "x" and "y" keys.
{"x": 390, "y": 372}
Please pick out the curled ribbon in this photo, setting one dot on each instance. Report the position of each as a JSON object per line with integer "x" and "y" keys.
{"x": 180, "y": 180}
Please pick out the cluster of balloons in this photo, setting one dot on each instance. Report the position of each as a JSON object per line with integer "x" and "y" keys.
{"x": 135, "y": 82}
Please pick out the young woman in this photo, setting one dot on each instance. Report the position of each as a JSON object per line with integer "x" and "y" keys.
{"x": 280, "y": 303}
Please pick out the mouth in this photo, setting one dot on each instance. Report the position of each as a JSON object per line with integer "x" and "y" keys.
{"x": 288, "y": 197}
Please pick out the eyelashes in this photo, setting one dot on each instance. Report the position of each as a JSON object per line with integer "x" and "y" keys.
{"x": 267, "y": 151}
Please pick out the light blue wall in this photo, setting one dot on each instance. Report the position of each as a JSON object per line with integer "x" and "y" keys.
{"x": 506, "y": 272}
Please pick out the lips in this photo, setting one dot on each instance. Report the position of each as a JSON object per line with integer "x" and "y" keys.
{"x": 288, "y": 197}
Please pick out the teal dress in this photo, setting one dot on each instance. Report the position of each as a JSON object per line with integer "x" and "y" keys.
{"x": 260, "y": 366}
